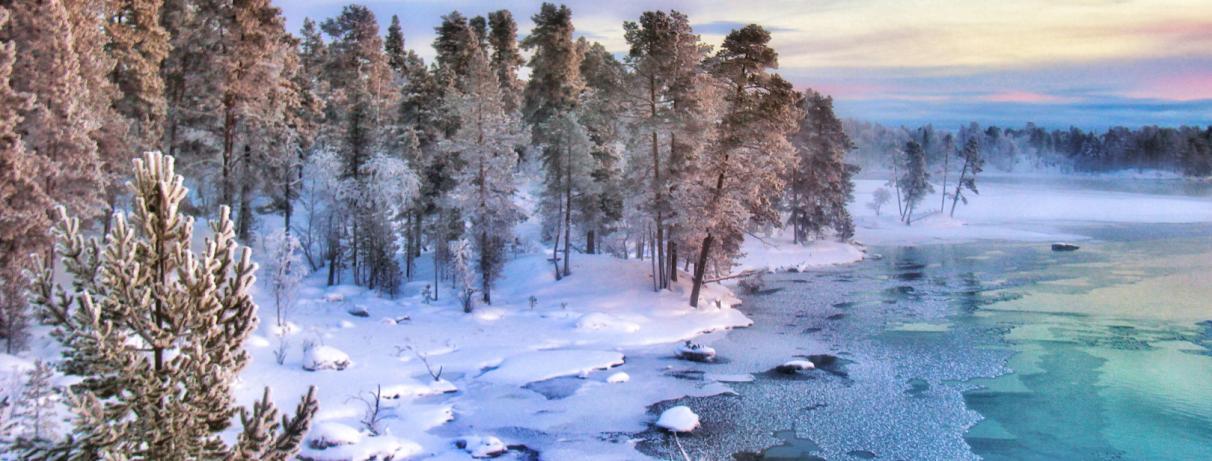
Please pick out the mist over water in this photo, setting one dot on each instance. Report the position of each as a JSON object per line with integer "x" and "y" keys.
{"x": 980, "y": 350}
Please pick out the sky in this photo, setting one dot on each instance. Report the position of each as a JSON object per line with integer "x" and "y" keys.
{"x": 1056, "y": 63}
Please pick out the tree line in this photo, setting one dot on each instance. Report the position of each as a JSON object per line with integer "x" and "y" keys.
{"x": 1186, "y": 150}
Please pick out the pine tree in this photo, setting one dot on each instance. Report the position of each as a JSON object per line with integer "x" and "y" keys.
{"x": 157, "y": 330}
{"x": 914, "y": 182}
{"x": 33, "y": 422}
{"x": 820, "y": 183}
{"x": 668, "y": 85}
{"x": 24, "y": 221}
{"x": 742, "y": 175}
{"x": 485, "y": 186}
{"x": 602, "y": 111}
{"x": 506, "y": 57}
{"x": 973, "y": 165}
{"x": 550, "y": 99}
{"x": 393, "y": 45}
{"x": 57, "y": 126}
{"x": 139, "y": 45}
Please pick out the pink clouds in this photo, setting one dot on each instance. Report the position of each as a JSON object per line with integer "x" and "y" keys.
{"x": 1181, "y": 87}
{"x": 1027, "y": 97}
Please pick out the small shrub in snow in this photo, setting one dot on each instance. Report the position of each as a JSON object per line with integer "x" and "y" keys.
{"x": 280, "y": 352}
{"x": 533, "y": 302}
{"x": 678, "y": 419}
{"x": 316, "y": 358}
{"x": 285, "y": 269}
{"x": 373, "y": 414}
{"x": 482, "y": 446}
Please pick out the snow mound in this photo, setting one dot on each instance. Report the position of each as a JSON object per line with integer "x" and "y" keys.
{"x": 678, "y": 419}
{"x": 331, "y": 434}
{"x": 597, "y": 321}
{"x": 325, "y": 358}
{"x": 620, "y": 377}
{"x": 534, "y": 366}
{"x": 695, "y": 352}
{"x": 482, "y": 446}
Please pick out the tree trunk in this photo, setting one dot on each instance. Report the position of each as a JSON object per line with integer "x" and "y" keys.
{"x": 639, "y": 246}
{"x": 229, "y": 145}
{"x": 590, "y": 242}
{"x": 567, "y": 208}
{"x": 673, "y": 261}
{"x": 485, "y": 264}
{"x": 555, "y": 250}
{"x": 700, "y": 269}
{"x": 958, "y": 188}
{"x": 244, "y": 226}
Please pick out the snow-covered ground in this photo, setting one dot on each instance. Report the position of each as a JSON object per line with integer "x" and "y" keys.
{"x": 568, "y": 368}
{"x": 1024, "y": 209}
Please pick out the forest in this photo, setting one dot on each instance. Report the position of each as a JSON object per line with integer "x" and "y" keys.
{"x": 369, "y": 157}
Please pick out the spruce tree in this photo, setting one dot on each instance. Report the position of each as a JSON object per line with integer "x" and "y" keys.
{"x": 23, "y": 224}
{"x": 973, "y": 165}
{"x": 506, "y": 57}
{"x": 820, "y": 186}
{"x": 743, "y": 174}
{"x": 602, "y": 110}
{"x": 155, "y": 331}
{"x": 914, "y": 182}
{"x": 393, "y": 45}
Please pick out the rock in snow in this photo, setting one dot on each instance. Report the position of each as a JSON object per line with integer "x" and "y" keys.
{"x": 619, "y": 377}
{"x": 678, "y": 419}
{"x": 1061, "y": 246}
{"x": 695, "y": 352}
{"x": 795, "y": 366}
{"x": 482, "y": 446}
{"x": 324, "y": 358}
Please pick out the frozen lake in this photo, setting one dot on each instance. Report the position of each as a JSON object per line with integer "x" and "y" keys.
{"x": 988, "y": 349}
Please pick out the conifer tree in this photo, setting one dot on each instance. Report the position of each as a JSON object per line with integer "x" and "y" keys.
{"x": 139, "y": 45}
{"x": 156, "y": 333}
{"x": 485, "y": 186}
{"x": 393, "y": 45}
{"x": 820, "y": 183}
{"x": 506, "y": 57}
{"x": 973, "y": 165}
{"x": 24, "y": 221}
{"x": 742, "y": 175}
{"x": 602, "y": 111}
{"x": 914, "y": 182}
{"x": 550, "y": 99}
{"x": 33, "y": 422}
{"x": 57, "y": 126}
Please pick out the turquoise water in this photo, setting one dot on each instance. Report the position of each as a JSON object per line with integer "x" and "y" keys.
{"x": 1000, "y": 351}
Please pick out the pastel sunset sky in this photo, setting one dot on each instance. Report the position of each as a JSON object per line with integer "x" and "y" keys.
{"x": 1090, "y": 63}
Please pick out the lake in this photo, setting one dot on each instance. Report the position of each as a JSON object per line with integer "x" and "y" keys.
{"x": 993, "y": 350}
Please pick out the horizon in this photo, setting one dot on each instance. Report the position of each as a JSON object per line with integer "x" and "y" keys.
{"x": 1085, "y": 63}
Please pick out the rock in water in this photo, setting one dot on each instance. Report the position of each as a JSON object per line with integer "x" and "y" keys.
{"x": 795, "y": 366}
{"x": 695, "y": 352}
{"x": 1064, "y": 247}
{"x": 678, "y": 419}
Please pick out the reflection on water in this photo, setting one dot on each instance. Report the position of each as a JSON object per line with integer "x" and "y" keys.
{"x": 997, "y": 351}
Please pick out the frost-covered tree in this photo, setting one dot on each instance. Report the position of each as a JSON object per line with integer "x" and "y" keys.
{"x": 973, "y": 165}
{"x": 139, "y": 44}
{"x": 549, "y": 102}
{"x": 155, "y": 332}
{"x": 506, "y": 57}
{"x": 820, "y": 186}
{"x": 322, "y": 212}
{"x": 284, "y": 269}
{"x": 602, "y": 109}
{"x": 668, "y": 86}
{"x": 34, "y": 421}
{"x": 56, "y": 128}
{"x": 23, "y": 224}
{"x": 743, "y": 174}
{"x": 879, "y": 198}
{"x": 486, "y": 186}
{"x": 914, "y": 182}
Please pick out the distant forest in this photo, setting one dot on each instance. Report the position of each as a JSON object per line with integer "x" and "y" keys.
{"x": 1186, "y": 150}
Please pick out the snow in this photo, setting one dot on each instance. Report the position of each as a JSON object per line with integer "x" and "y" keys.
{"x": 694, "y": 351}
{"x": 678, "y": 419}
{"x": 379, "y": 448}
{"x": 777, "y": 251}
{"x": 793, "y": 366}
{"x": 319, "y": 358}
{"x": 618, "y": 378}
{"x": 541, "y": 365}
{"x": 482, "y": 446}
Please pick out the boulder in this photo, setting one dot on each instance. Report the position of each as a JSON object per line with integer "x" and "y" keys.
{"x": 695, "y": 352}
{"x": 318, "y": 358}
{"x": 1064, "y": 247}
{"x": 482, "y": 446}
{"x": 795, "y": 366}
{"x": 678, "y": 419}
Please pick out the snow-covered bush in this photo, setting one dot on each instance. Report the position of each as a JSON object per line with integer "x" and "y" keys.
{"x": 283, "y": 269}
{"x": 753, "y": 283}
{"x": 317, "y": 357}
